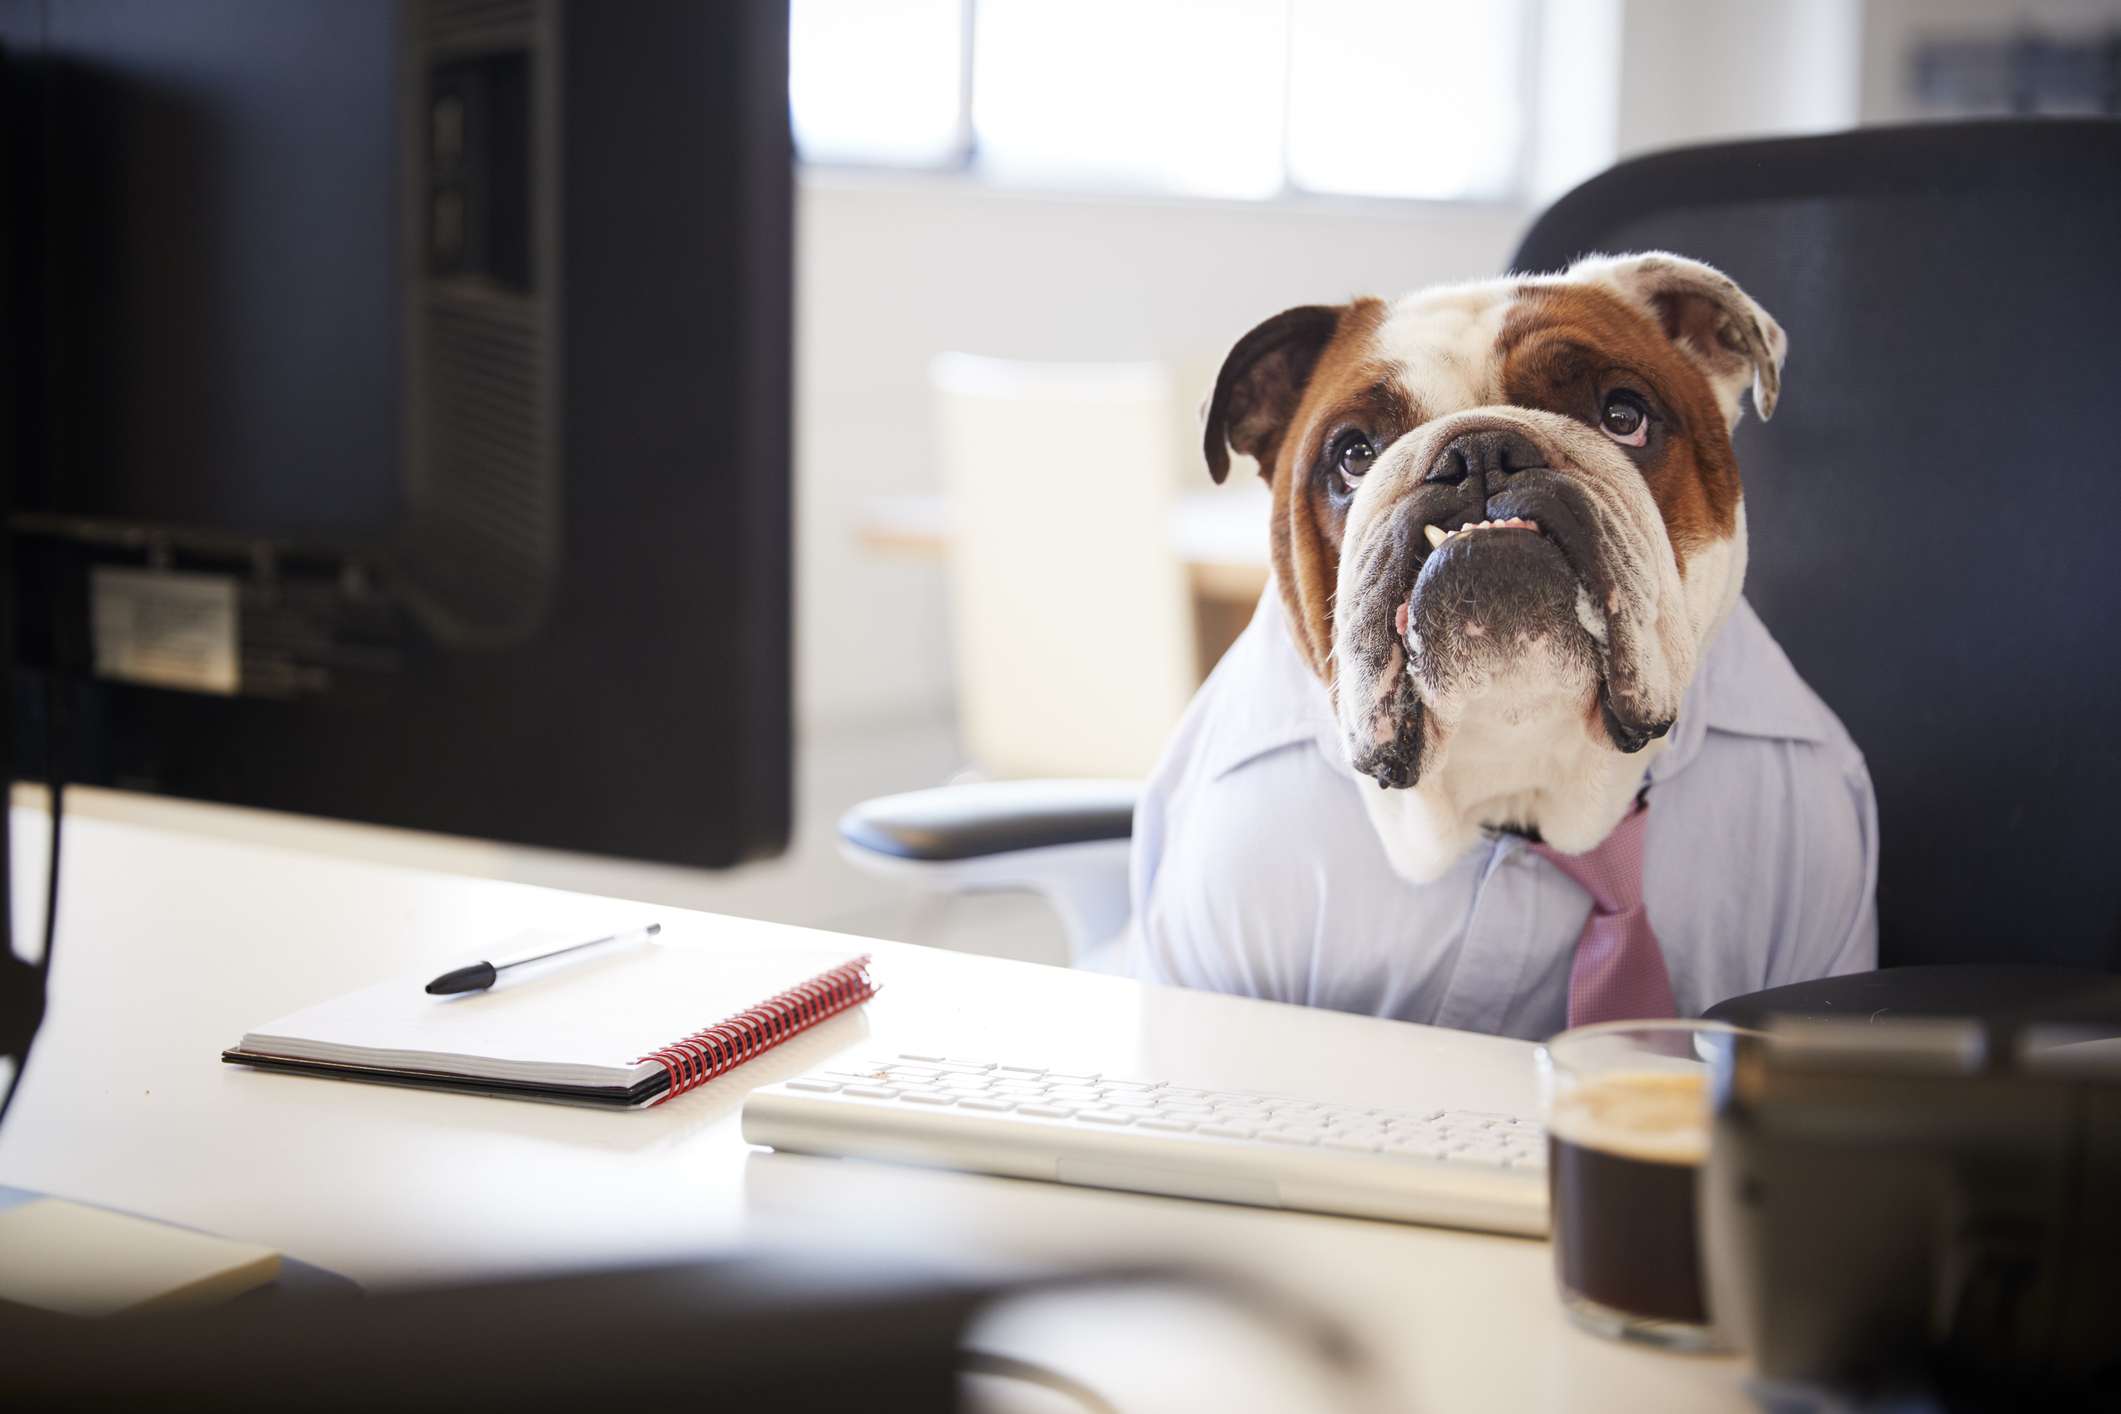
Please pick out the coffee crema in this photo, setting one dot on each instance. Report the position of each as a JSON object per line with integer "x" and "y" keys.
{"x": 1657, "y": 1116}
{"x": 1624, "y": 1151}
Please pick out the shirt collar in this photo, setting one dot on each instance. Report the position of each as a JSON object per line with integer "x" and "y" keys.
{"x": 1276, "y": 703}
{"x": 1744, "y": 685}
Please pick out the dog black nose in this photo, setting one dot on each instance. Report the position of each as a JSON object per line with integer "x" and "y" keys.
{"x": 1492, "y": 457}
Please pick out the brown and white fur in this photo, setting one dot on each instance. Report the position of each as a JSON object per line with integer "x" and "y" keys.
{"x": 1510, "y": 675}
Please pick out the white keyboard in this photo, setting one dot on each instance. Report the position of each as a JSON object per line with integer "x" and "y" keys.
{"x": 1456, "y": 1168}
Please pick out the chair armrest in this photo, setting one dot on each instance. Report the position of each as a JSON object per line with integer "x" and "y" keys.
{"x": 993, "y": 817}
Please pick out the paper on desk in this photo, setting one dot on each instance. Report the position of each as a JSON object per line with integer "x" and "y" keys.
{"x": 82, "y": 1261}
{"x": 586, "y": 1024}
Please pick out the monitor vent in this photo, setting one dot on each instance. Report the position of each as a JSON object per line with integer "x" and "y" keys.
{"x": 477, "y": 559}
{"x": 486, "y": 502}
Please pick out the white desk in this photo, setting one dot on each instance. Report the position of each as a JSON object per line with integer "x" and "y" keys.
{"x": 172, "y": 945}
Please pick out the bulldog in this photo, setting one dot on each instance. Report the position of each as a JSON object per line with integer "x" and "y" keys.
{"x": 1508, "y": 528}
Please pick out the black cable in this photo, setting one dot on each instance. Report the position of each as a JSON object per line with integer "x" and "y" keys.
{"x": 1008, "y": 1367}
{"x": 1312, "y": 1332}
{"x": 55, "y": 734}
{"x": 57, "y": 794}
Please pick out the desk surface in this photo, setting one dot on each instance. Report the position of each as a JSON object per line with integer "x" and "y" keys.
{"x": 172, "y": 945}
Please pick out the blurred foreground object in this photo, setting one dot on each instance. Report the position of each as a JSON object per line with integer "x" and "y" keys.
{"x": 1925, "y": 1205}
{"x": 741, "y": 1335}
{"x": 796, "y": 1333}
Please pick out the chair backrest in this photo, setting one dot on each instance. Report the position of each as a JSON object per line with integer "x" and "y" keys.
{"x": 1935, "y": 510}
{"x": 1070, "y": 621}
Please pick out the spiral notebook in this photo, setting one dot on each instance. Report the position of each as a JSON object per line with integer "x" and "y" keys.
{"x": 624, "y": 1032}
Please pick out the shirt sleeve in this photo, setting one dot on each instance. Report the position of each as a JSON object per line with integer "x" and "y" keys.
{"x": 1825, "y": 921}
{"x": 1763, "y": 867}
{"x": 1840, "y": 851}
{"x": 1229, "y": 888}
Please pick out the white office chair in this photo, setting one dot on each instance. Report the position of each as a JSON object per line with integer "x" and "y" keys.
{"x": 1064, "y": 840}
{"x": 1071, "y": 621}
{"x": 1072, "y": 628}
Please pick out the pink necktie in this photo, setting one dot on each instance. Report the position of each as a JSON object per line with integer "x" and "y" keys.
{"x": 1619, "y": 970}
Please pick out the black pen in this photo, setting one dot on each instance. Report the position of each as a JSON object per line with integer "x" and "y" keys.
{"x": 481, "y": 975}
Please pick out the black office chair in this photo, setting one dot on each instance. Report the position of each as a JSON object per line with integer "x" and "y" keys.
{"x": 1935, "y": 511}
{"x": 1931, "y": 509}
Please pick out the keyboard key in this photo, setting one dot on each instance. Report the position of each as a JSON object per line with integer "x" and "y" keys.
{"x": 998, "y": 1106}
{"x": 1174, "y": 1091}
{"x": 1177, "y": 1126}
{"x": 1348, "y": 1146}
{"x": 1288, "y": 1136}
{"x": 1415, "y": 1151}
{"x": 1046, "y": 1111}
{"x": 1021, "y": 1069}
{"x": 872, "y": 1092}
{"x": 1130, "y": 1086}
{"x": 823, "y": 1087}
{"x": 1472, "y": 1156}
{"x": 927, "y": 1097}
{"x": 908, "y": 1055}
{"x": 1104, "y": 1117}
{"x": 1228, "y": 1131}
{"x": 1081, "y": 1077}
{"x": 975, "y": 1064}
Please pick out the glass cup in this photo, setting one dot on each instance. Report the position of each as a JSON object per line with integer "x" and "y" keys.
{"x": 1628, "y": 1112}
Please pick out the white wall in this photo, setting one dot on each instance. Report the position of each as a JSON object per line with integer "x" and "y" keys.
{"x": 894, "y": 269}
{"x": 1892, "y": 28}
{"x": 1703, "y": 70}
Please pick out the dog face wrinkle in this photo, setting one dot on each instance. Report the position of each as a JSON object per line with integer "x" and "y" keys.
{"x": 1499, "y": 675}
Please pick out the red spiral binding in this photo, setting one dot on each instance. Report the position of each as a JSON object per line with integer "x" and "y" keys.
{"x": 703, "y": 1055}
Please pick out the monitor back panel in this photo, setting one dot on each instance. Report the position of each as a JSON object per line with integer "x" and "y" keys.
{"x": 400, "y": 428}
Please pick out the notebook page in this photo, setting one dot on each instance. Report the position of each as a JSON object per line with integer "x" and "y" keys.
{"x": 586, "y": 1024}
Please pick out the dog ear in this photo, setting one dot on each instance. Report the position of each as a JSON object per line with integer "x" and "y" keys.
{"x": 1260, "y": 385}
{"x": 1719, "y": 326}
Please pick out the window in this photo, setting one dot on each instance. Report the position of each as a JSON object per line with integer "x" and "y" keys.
{"x": 1219, "y": 98}
{"x": 878, "y": 81}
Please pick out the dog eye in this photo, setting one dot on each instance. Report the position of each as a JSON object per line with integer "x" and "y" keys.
{"x": 1625, "y": 419}
{"x": 1356, "y": 454}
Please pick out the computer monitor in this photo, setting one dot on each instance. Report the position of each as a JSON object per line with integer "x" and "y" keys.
{"x": 398, "y": 414}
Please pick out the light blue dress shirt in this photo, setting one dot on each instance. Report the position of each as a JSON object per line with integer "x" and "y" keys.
{"x": 1256, "y": 869}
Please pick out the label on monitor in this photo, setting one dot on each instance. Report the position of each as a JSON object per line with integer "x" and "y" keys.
{"x": 167, "y": 628}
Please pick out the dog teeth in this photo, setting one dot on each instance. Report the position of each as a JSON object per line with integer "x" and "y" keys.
{"x": 1437, "y": 534}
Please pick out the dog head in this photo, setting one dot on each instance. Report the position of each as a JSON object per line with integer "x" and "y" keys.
{"x": 1507, "y": 521}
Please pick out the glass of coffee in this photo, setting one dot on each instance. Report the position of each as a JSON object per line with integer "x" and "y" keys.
{"x": 1628, "y": 1115}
